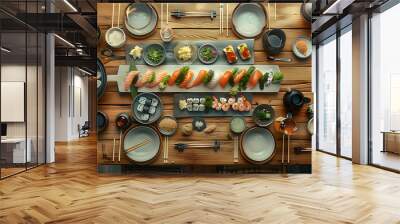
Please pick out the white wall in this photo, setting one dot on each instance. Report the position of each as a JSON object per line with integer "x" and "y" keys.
{"x": 71, "y": 103}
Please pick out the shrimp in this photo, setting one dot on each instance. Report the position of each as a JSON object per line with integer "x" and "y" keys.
{"x": 226, "y": 107}
{"x": 219, "y": 107}
{"x": 235, "y": 106}
{"x": 231, "y": 100}
{"x": 242, "y": 107}
{"x": 247, "y": 105}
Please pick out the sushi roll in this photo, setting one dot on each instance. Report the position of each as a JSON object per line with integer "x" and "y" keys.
{"x": 189, "y": 107}
{"x": 202, "y": 107}
{"x": 145, "y": 109}
{"x": 202, "y": 100}
{"x": 154, "y": 102}
{"x": 152, "y": 110}
{"x": 195, "y": 107}
{"x": 144, "y": 117}
{"x": 189, "y": 100}
{"x": 196, "y": 100}
{"x": 148, "y": 102}
{"x": 142, "y": 100}
{"x": 140, "y": 107}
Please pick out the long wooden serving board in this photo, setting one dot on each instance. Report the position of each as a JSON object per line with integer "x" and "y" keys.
{"x": 218, "y": 69}
{"x": 178, "y": 113}
{"x": 219, "y": 44}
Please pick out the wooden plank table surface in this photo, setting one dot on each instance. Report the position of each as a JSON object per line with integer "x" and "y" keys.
{"x": 297, "y": 75}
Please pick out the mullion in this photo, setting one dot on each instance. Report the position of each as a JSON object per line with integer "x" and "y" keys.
{"x": 338, "y": 96}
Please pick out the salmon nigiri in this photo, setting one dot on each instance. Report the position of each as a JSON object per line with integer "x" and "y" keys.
{"x": 188, "y": 78}
{"x": 239, "y": 76}
{"x": 174, "y": 76}
{"x": 254, "y": 79}
{"x": 225, "y": 78}
{"x": 157, "y": 80}
{"x": 146, "y": 78}
{"x": 130, "y": 78}
{"x": 199, "y": 79}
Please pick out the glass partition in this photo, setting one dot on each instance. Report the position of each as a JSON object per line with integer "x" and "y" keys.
{"x": 326, "y": 96}
{"x": 346, "y": 93}
{"x": 385, "y": 89}
{"x": 22, "y": 77}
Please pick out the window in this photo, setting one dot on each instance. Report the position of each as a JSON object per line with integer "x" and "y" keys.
{"x": 326, "y": 105}
{"x": 385, "y": 89}
{"x": 346, "y": 93}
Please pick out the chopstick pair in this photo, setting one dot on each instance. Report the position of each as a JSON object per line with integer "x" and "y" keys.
{"x": 221, "y": 19}
{"x": 139, "y": 145}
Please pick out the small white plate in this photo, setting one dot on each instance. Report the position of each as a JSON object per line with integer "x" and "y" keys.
{"x": 297, "y": 52}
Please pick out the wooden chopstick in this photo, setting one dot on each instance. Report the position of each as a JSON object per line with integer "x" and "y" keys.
{"x": 113, "y": 151}
{"x": 120, "y": 146}
{"x": 137, "y": 146}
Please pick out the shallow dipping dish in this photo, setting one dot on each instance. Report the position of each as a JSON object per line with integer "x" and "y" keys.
{"x": 166, "y": 132}
{"x": 262, "y": 107}
{"x": 113, "y": 33}
{"x": 146, "y": 153}
{"x": 193, "y": 53}
{"x": 238, "y": 125}
{"x": 147, "y": 51}
{"x": 257, "y": 145}
{"x": 213, "y": 60}
{"x": 249, "y": 20}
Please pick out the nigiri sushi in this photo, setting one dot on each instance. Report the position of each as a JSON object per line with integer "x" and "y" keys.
{"x": 186, "y": 81}
{"x": 254, "y": 79}
{"x": 173, "y": 77}
{"x": 225, "y": 78}
{"x": 160, "y": 76}
{"x": 130, "y": 78}
{"x": 199, "y": 79}
{"x": 240, "y": 74}
{"x": 214, "y": 81}
{"x": 148, "y": 77}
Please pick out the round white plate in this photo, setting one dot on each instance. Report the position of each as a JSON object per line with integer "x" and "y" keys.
{"x": 249, "y": 20}
{"x": 137, "y": 135}
{"x": 258, "y": 144}
{"x": 297, "y": 52}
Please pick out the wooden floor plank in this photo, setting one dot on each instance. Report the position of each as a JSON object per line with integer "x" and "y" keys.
{"x": 71, "y": 191}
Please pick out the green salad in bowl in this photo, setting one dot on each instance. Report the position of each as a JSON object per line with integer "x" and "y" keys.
{"x": 154, "y": 54}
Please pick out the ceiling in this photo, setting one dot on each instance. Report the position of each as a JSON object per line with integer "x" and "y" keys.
{"x": 73, "y": 20}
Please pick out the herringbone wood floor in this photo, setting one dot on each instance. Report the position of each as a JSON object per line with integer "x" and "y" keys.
{"x": 70, "y": 191}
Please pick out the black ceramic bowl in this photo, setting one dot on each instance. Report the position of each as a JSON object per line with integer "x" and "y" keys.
{"x": 101, "y": 121}
{"x": 274, "y": 41}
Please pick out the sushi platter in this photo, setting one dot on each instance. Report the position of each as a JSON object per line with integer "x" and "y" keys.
{"x": 221, "y": 105}
{"x": 214, "y": 85}
{"x": 220, "y": 46}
